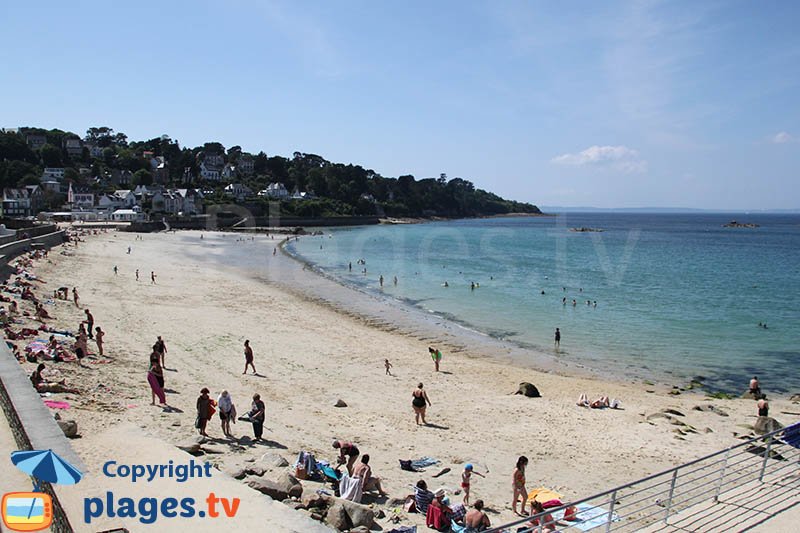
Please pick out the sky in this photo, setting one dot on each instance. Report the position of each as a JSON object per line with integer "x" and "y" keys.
{"x": 606, "y": 104}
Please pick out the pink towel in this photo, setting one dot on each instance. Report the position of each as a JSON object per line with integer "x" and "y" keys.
{"x": 54, "y": 404}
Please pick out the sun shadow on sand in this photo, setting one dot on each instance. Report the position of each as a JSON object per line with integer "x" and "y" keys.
{"x": 270, "y": 444}
{"x": 171, "y": 391}
{"x": 170, "y": 369}
{"x": 435, "y": 426}
{"x": 170, "y": 409}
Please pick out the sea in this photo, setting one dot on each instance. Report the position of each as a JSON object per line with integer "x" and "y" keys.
{"x": 661, "y": 297}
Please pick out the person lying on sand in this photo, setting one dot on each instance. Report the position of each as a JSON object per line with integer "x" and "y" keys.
{"x": 599, "y": 403}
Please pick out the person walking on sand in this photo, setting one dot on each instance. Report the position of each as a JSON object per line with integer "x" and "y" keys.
{"x": 227, "y": 412}
{"x": 248, "y": 357}
{"x": 155, "y": 377}
{"x": 257, "y": 416}
{"x": 152, "y": 278}
{"x": 137, "y": 274}
{"x": 436, "y": 355}
{"x": 89, "y": 322}
{"x": 420, "y": 402}
{"x": 75, "y": 297}
{"x": 204, "y": 408}
{"x": 518, "y": 482}
{"x": 388, "y": 366}
{"x": 466, "y": 476}
{"x": 558, "y": 337}
{"x": 160, "y": 348}
{"x": 98, "y": 338}
{"x": 116, "y": 272}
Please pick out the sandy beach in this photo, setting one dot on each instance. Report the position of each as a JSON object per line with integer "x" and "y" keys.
{"x": 309, "y": 355}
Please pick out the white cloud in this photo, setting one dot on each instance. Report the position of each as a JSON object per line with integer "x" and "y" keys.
{"x": 618, "y": 157}
{"x": 783, "y": 138}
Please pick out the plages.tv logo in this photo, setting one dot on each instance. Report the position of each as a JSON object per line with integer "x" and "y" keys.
{"x": 33, "y": 511}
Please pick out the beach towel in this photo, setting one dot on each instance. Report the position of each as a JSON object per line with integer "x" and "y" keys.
{"x": 329, "y": 472}
{"x": 435, "y": 519}
{"x": 424, "y": 462}
{"x": 542, "y": 495}
{"x": 54, "y": 404}
{"x": 587, "y": 517}
{"x": 455, "y": 528}
{"x": 404, "y": 529}
{"x": 350, "y": 488}
{"x": 791, "y": 435}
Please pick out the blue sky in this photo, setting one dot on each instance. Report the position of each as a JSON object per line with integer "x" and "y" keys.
{"x": 693, "y": 104}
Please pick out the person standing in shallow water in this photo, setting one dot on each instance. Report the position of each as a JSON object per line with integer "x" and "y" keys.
{"x": 558, "y": 337}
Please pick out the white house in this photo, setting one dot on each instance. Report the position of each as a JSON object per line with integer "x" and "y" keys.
{"x": 210, "y": 172}
{"x": 238, "y": 191}
{"x": 229, "y": 172}
{"x": 276, "y": 191}
{"x": 127, "y": 215}
{"x": 178, "y": 201}
{"x": 109, "y": 202}
{"x": 297, "y": 195}
{"x": 16, "y": 202}
{"x": 125, "y": 197}
{"x": 80, "y": 197}
{"x": 52, "y": 173}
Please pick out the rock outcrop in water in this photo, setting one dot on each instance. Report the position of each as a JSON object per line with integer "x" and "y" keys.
{"x": 735, "y": 224}
{"x": 585, "y": 230}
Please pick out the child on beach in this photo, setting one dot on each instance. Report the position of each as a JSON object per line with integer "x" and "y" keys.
{"x": 388, "y": 366}
{"x": 518, "y": 482}
{"x": 98, "y": 335}
{"x": 465, "y": 480}
{"x": 436, "y": 355}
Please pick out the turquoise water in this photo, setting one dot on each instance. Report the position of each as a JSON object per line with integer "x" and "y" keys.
{"x": 677, "y": 296}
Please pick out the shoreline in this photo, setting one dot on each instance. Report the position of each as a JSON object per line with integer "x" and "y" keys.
{"x": 213, "y": 293}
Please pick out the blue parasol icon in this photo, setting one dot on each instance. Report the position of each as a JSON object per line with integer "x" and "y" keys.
{"x": 46, "y": 465}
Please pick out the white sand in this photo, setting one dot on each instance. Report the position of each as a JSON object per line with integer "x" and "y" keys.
{"x": 311, "y": 355}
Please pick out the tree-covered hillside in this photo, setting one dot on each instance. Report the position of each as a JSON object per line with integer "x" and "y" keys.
{"x": 344, "y": 189}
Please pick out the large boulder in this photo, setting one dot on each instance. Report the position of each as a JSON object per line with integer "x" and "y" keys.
{"x": 273, "y": 459}
{"x": 794, "y": 398}
{"x": 290, "y": 484}
{"x": 236, "y": 472}
{"x": 766, "y": 424}
{"x": 750, "y": 396}
{"x": 314, "y": 500}
{"x": 255, "y": 470}
{"x": 529, "y": 390}
{"x": 360, "y": 515}
{"x": 69, "y": 427}
{"x": 337, "y": 518}
{"x": 268, "y": 487}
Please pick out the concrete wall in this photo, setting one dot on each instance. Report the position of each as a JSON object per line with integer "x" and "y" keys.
{"x": 11, "y": 250}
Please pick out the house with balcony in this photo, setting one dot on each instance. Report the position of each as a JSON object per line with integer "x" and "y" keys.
{"x": 22, "y": 201}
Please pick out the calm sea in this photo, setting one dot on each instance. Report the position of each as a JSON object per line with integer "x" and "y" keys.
{"x": 677, "y": 296}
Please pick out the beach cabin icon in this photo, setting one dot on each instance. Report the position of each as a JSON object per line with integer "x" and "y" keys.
{"x": 27, "y": 511}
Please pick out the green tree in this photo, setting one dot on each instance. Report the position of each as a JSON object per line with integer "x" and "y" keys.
{"x": 51, "y": 155}
{"x": 142, "y": 177}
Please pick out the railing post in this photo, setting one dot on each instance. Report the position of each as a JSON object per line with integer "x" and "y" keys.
{"x": 611, "y": 511}
{"x": 766, "y": 457}
{"x": 671, "y": 492}
{"x": 721, "y": 476}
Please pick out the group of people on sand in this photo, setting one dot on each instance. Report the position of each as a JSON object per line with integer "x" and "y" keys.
{"x": 440, "y": 512}
{"x": 224, "y": 405}
{"x": 348, "y": 454}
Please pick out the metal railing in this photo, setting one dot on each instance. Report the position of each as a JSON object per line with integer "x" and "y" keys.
{"x": 647, "y": 501}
